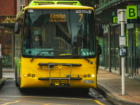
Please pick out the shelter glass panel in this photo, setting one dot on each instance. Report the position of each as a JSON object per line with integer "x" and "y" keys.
{"x": 131, "y": 51}
{"x": 137, "y": 51}
{"x": 6, "y": 47}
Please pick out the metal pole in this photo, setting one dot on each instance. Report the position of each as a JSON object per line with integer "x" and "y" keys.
{"x": 0, "y": 68}
{"x": 122, "y": 58}
{"x": 109, "y": 48}
{"x": 13, "y": 48}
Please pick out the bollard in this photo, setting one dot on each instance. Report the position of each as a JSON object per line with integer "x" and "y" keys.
{"x": 0, "y": 68}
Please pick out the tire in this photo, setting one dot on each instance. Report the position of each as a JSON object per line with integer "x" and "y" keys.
{"x": 16, "y": 77}
{"x": 23, "y": 90}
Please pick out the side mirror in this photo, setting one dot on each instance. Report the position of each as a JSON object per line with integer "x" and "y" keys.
{"x": 17, "y": 28}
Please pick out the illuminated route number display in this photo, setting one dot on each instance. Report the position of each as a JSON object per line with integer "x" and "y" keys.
{"x": 61, "y": 17}
{"x": 57, "y": 18}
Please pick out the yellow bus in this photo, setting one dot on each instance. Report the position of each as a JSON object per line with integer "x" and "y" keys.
{"x": 55, "y": 46}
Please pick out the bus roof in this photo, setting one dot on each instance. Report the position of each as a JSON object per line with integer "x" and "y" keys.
{"x": 53, "y": 2}
{"x": 58, "y": 7}
{"x": 49, "y": 2}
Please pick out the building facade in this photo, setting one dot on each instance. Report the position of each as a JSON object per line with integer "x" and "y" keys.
{"x": 110, "y": 59}
{"x": 8, "y": 11}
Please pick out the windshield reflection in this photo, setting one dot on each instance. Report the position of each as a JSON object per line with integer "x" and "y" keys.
{"x": 68, "y": 32}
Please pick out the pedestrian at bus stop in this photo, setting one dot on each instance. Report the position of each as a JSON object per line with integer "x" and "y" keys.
{"x": 99, "y": 51}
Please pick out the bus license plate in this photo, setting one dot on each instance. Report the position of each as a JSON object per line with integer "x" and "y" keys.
{"x": 88, "y": 81}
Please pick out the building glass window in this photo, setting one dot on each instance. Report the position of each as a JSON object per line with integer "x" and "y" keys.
{"x": 22, "y": 4}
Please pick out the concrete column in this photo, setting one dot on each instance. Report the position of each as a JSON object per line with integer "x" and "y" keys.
{"x": 18, "y": 6}
{"x": 0, "y": 68}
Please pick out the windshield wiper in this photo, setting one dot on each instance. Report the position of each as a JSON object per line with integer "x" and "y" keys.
{"x": 44, "y": 51}
{"x": 85, "y": 58}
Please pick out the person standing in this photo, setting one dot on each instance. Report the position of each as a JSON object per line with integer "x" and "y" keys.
{"x": 99, "y": 51}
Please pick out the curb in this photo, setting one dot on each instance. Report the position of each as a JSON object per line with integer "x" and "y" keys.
{"x": 2, "y": 82}
{"x": 111, "y": 98}
{"x": 8, "y": 70}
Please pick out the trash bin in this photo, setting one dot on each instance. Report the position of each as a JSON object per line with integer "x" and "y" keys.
{"x": 0, "y": 68}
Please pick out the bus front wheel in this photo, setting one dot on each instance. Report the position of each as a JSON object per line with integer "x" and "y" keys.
{"x": 16, "y": 77}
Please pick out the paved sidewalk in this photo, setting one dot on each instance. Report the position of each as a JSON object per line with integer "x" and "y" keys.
{"x": 110, "y": 85}
{"x": 8, "y": 70}
{"x": 2, "y": 80}
{"x": 6, "y": 74}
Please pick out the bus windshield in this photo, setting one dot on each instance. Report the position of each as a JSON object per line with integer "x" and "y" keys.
{"x": 61, "y": 33}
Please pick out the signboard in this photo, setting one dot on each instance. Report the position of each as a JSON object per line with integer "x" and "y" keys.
{"x": 121, "y": 14}
{"x": 132, "y": 12}
{"x": 122, "y": 47}
{"x": 115, "y": 19}
{"x": 122, "y": 40}
{"x": 122, "y": 51}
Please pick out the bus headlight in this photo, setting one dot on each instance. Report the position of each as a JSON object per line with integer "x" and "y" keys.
{"x": 24, "y": 75}
{"x": 92, "y": 75}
